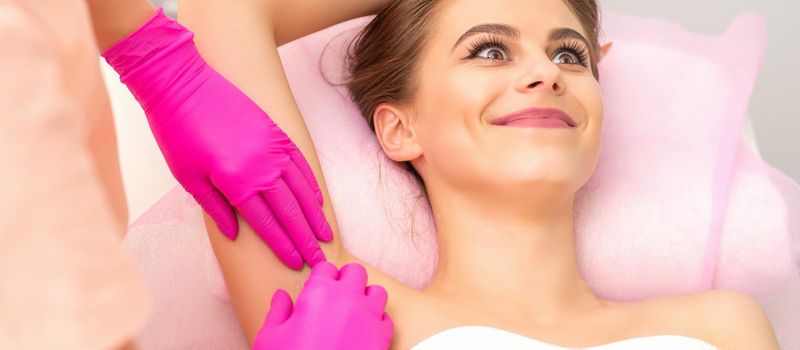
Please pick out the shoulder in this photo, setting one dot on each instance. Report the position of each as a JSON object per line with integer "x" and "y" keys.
{"x": 424, "y": 315}
{"x": 726, "y": 318}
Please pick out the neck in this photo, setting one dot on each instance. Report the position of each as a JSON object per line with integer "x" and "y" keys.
{"x": 515, "y": 259}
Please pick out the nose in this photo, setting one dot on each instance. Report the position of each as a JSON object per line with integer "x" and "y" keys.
{"x": 541, "y": 75}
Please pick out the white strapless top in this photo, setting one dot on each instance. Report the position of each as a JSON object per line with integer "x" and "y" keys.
{"x": 483, "y": 337}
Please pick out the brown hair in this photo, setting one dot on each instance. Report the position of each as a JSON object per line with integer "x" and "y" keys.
{"x": 382, "y": 58}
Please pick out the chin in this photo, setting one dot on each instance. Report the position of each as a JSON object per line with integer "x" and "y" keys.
{"x": 536, "y": 184}
{"x": 557, "y": 175}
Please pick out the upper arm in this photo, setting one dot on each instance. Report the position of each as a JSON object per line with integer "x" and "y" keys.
{"x": 236, "y": 38}
{"x": 317, "y": 15}
{"x": 737, "y": 321}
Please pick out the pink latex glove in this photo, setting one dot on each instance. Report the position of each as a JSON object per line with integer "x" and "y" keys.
{"x": 335, "y": 310}
{"x": 220, "y": 145}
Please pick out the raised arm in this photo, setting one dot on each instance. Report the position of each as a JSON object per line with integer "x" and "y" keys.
{"x": 294, "y": 19}
{"x": 239, "y": 38}
{"x": 114, "y": 20}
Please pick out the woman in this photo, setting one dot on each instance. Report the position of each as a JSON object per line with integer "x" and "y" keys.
{"x": 444, "y": 78}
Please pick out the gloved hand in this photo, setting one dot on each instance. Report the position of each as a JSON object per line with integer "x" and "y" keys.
{"x": 220, "y": 145}
{"x": 333, "y": 311}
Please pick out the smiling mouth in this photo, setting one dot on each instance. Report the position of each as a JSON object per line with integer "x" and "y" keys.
{"x": 538, "y": 123}
{"x": 536, "y": 117}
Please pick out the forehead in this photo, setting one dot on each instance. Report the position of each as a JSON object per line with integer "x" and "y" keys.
{"x": 533, "y": 18}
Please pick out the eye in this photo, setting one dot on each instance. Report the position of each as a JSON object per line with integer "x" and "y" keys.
{"x": 488, "y": 48}
{"x": 566, "y": 58}
{"x": 571, "y": 53}
{"x": 492, "y": 53}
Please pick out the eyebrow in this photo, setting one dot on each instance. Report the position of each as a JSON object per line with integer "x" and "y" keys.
{"x": 513, "y": 32}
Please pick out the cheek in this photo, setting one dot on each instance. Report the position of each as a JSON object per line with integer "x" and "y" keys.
{"x": 448, "y": 107}
{"x": 586, "y": 92}
{"x": 587, "y": 97}
{"x": 595, "y": 112}
{"x": 457, "y": 94}
{"x": 450, "y": 104}
{"x": 592, "y": 102}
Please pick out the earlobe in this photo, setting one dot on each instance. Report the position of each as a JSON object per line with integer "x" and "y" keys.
{"x": 395, "y": 133}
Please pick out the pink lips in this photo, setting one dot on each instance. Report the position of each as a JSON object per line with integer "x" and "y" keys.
{"x": 536, "y": 118}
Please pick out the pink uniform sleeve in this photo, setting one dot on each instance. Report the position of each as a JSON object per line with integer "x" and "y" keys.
{"x": 67, "y": 282}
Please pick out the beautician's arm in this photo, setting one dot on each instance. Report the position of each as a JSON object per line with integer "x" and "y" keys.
{"x": 237, "y": 38}
{"x": 220, "y": 146}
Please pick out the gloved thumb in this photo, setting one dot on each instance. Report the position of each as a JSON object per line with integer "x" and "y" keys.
{"x": 280, "y": 309}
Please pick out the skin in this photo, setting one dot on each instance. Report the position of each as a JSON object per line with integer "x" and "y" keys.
{"x": 112, "y": 21}
{"x": 503, "y": 207}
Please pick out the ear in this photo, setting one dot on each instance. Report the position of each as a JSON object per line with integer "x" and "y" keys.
{"x": 604, "y": 50}
{"x": 396, "y": 133}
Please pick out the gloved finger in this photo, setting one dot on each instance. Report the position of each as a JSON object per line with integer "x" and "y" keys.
{"x": 218, "y": 208}
{"x": 377, "y": 297}
{"x": 305, "y": 198}
{"x": 258, "y": 214}
{"x": 354, "y": 276}
{"x": 387, "y": 325}
{"x": 325, "y": 269}
{"x": 308, "y": 174}
{"x": 286, "y": 209}
{"x": 280, "y": 309}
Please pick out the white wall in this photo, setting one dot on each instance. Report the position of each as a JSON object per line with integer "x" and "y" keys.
{"x": 775, "y": 106}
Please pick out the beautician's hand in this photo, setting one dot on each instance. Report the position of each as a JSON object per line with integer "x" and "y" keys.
{"x": 220, "y": 145}
{"x": 335, "y": 310}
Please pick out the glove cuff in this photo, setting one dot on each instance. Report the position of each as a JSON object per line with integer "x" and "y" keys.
{"x": 158, "y": 59}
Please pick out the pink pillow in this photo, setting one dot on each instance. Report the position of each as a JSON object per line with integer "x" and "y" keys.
{"x": 675, "y": 102}
{"x": 676, "y": 204}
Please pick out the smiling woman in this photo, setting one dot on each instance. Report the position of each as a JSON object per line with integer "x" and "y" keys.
{"x": 438, "y": 78}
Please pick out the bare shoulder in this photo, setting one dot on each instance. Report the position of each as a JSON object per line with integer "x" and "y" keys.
{"x": 737, "y": 320}
{"x": 726, "y": 318}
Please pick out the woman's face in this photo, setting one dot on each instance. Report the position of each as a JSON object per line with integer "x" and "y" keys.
{"x": 485, "y": 60}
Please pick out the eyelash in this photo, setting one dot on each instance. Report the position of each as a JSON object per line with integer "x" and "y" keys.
{"x": 493, "y": 41}
{"x": 577, "y": 49}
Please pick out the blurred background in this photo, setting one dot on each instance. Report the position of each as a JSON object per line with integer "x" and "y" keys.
{"x": 774, "y": 108}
